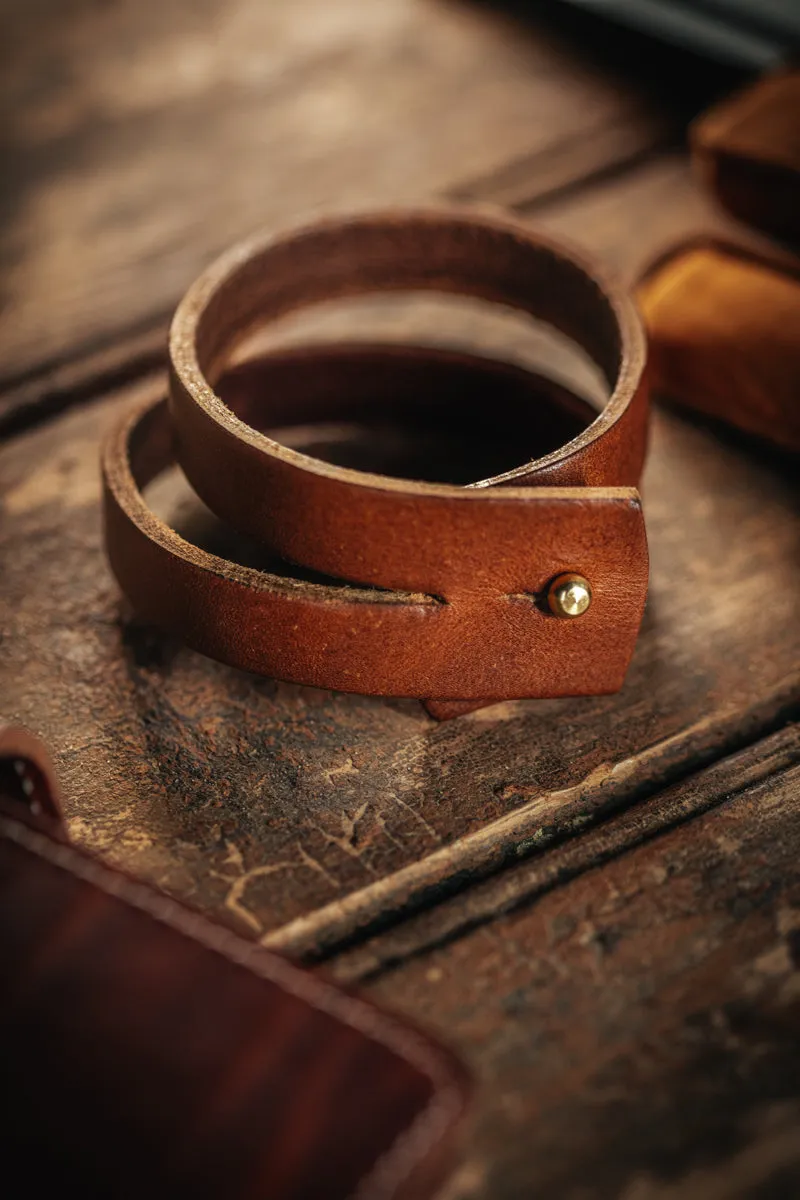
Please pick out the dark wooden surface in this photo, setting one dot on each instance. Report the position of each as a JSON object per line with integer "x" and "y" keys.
{"x": 596, "y": 900}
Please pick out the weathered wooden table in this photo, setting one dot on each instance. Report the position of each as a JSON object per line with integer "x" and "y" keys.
{"x": 597, "y": 901}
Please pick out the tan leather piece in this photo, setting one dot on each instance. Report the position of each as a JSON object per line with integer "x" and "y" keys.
{"x": 463, "y": 568}
{"x": 747, "y": 152}
{"x": 724, "y": 326}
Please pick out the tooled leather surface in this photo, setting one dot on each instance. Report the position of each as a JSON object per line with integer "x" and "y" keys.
{"x": 148, "y": 1050}
{"x": 461, "y": 568}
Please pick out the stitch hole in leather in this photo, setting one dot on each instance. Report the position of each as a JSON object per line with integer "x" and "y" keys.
{"x": 26, "y": 784}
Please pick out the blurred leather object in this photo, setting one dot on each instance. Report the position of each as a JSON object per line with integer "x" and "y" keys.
{"x": 747, "y": 152}
{"x": 147, "y": 1051}
{"x": 724, "y": 326}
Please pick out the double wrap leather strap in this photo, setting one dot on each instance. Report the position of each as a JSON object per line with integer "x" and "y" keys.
{"x": 463, "y": 570}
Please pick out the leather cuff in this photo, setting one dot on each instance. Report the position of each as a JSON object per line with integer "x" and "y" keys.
{"x": 463, "y": 572}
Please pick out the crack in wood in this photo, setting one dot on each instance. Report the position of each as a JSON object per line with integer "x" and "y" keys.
{"x": 467, "y": 861}
{"x": 651, "y": 817}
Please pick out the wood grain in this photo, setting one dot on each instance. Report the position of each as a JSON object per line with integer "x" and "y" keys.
{"x": 148, "y": 136}
{"x": 636, "y": 1027}
{"x": 632, "y": 217}
{"x": 602, "y": 841}
{"x": 598, "y": 899}
{"x": 267, "y": 803}
{"x": 141, "y": 138}
{"x": 271, "y": 804}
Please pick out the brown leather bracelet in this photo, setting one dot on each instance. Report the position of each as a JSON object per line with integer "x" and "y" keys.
{"x": 723, "y": 321}
{"x": 465, "y": 569}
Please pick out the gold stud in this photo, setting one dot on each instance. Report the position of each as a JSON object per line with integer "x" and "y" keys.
{"x": 569, "y": 595}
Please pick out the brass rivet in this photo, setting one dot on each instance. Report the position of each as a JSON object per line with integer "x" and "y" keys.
{"x": 569, "y": 595}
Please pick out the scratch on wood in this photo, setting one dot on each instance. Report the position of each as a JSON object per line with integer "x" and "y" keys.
{"x": 235, "y": 896}
{"x": 317, "y": 866}
{"x": 387, "y": 832}
{"x": 234, "y": 899}
{"x": 347, "y": 840}
{"x": 334, "y": 773}
{"x": 476, "y": 854}
{"x": 398, "y": 800}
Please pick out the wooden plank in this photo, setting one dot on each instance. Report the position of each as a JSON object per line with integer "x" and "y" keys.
{"x": 273, "y": 805}
{"x": 145, "y": 138}
{"x": 635, "y": 1029}
{"x": 630, "y": 218}
{"x": 80, "y": 380}
{"x": 603, "y": 841}
{"x": 148, "y": 137}
{"x": 658, "y": 194}
{"x": 270, "y": 804}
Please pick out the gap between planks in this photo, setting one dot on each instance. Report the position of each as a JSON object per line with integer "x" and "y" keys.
{"x": 750, "y": 769}
{"x": 466, "y": 863}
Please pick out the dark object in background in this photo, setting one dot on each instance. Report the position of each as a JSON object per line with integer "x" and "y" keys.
{"x": 724, "y": 320}
{"x": 149, "y": 1052}
{"x": 745, "y": 33}
{"x": 747, "y": 151}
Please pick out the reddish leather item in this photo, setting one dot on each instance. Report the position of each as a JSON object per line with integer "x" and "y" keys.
{"x": 462, "y": 570}
{"x": 724, "y": 327}
{"x": 747, "y": 152}
{"x": 147, "y": 1051}
{"x": 395, "y": 642}
{"x": 27, "y": 776}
